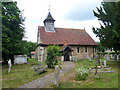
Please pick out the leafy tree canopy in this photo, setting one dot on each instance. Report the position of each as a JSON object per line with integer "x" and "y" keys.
{"x": 12, "y": 30}
{"x": 109, "y": 31}
{"x": 53, "y": 52}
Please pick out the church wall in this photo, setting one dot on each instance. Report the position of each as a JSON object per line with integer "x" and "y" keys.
{"x": 81, "y": 55}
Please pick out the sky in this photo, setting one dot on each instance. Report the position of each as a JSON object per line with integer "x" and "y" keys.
{"x": 77, "y": 14}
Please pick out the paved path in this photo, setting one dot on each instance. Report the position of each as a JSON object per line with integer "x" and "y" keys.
{"x": 40, "y": 82}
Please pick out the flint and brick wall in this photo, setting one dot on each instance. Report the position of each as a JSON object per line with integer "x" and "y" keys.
{"x": 81, "y": 55}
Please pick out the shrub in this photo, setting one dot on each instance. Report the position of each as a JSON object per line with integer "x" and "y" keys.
{"x": 53, "y": 52}
{"x": 81, "y": 74}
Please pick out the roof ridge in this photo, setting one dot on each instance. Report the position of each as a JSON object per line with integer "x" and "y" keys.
{"x": 68, "y": 28}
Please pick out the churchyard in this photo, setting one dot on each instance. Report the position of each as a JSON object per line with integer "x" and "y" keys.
{"x": 105, "y": 80}
{"x": 21, "y": 74}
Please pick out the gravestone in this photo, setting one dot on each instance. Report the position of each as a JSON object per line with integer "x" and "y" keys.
{"x": 104, "y": 63}
{"x": 108, "y": 57}
{"x": 56, "y": 75}
{"x": 9, "y": 64}
{"x": 113, "y": 57}
{"x": 105, "y": 56}
{"x": 90, "y": 59}
{"x": 87, "y": 56}
{"x": 97, "y": 59}
{"x": 75, "y": 58}
{"x": 100, "y": 62}
{"x": 119, "y": 58}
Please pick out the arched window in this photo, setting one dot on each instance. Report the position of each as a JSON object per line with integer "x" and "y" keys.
{"x": 86, "y": 49}
{"x": 78, "y": 50}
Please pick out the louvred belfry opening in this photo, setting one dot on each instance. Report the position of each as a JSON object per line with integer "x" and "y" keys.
{"x": 49, "y": 23}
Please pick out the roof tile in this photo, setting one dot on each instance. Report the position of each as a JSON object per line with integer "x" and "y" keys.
{"x": 66, "y": 35}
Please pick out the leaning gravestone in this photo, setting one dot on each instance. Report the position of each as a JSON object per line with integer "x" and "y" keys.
{"x": 104, "y": 63}
{"x": 9, "y": 64}
{"x": 56, "y": 75}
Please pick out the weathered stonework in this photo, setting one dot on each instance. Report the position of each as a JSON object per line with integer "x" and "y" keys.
{"x": 81, "y": 55}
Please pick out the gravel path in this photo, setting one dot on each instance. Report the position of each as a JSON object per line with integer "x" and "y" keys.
{"x": 40, "y": 82}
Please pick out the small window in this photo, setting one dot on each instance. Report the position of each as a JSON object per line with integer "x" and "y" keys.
{"x": 78, "y": 50}
{"x": 86, "y": 49}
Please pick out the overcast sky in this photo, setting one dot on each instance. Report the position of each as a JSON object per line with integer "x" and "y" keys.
{"x": 76, "y": 14}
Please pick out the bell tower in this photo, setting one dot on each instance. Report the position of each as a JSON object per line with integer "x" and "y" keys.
{"x": 49, "y": 23}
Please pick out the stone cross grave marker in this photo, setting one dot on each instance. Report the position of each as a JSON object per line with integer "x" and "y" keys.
{"x": 9, "y": 64}
{"x": 56, "y": 75}
{"x": 104, "y": 63}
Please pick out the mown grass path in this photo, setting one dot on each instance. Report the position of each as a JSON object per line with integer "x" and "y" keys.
{"x": 49, "y": 78}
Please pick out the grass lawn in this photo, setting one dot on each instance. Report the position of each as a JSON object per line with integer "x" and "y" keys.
{"x": 107, "y": 80}
{"x": 20, "y": 74}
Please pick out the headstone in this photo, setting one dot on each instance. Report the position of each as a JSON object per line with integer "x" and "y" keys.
{"x": 119, "y": 58}
{"x": 87, "y": 56}
{"x": 105, "y": 56}
{"x": 9, "y": 64}
{"x": 113, "y": 57}
{"x": 100, "y": 62}
{"x": 108, "y": 57}
{"x": 76, "y": 59}
{"x": 90, "y": 60}
{"x": 73, "y": 58}
{"x": 97, "y": 59}
{"x": 104, "y": 63}
{"x": 56, "y": 75}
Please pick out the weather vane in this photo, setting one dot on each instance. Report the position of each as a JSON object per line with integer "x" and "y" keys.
{"x": 49, "y": 8}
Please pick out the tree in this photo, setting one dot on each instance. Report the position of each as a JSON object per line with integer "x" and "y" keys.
{"x": 27, "y": 47}
{"x": 53, "y": 52}
{"x": 109, "y": 31}
{"x": 12, "y": 30}
{"x": 100, "y": 48}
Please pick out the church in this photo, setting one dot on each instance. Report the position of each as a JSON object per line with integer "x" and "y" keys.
{"x": 76, "y": 43}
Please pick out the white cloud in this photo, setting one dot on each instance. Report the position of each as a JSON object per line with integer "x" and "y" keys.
{"x": 36, "y": 11}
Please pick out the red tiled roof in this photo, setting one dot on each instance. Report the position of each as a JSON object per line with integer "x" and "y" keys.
{"x": 65, "y": 35}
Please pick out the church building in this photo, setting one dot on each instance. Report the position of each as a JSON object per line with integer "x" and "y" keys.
{"x": 76, "y": 43}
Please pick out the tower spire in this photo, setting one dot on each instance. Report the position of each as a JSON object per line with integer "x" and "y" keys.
{"x": 49, "y": 22}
